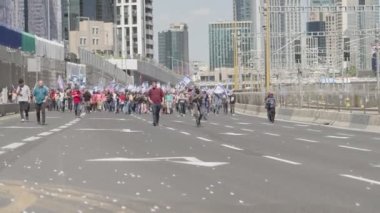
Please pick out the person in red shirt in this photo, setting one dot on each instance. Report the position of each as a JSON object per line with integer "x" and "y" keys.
{"x": 156, "y": 98}
{"x": 76, "y": 94}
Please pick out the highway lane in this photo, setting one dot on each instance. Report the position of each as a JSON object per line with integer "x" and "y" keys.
{"x": 106, "y": 162}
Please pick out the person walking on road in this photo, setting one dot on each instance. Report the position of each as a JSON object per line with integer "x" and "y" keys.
{"x": 270, "y": 105}
{"x": 76, "y": 94}
{"x": 23, "y": 97}
{"x": 41, "y": 94}
{"x": 156, "y": 98}
{"x": 232, "y": 102}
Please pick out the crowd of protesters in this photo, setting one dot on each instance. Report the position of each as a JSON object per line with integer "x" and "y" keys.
{"x": 137, "y": 101}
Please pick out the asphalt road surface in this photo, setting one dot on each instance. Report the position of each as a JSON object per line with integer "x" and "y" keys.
{"x": 106, "y": 162}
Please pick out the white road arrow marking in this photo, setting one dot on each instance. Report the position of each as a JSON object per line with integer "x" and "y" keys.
{"x": 181, "y": 160}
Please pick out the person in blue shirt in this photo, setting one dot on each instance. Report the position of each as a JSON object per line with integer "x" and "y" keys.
{"x": 40, "y": 93}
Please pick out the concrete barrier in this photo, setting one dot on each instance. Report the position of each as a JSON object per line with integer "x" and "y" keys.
{"x": 339, "y": 119}
{"x": 6, "y": 109}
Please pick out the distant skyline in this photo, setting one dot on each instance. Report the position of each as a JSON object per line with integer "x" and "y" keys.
{"x": 197, "y": 14}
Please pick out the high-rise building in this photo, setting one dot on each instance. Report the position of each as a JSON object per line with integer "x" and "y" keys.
{"x": 286, "y": 35}
{"x": 40, "y": 17}
{"x": 45, "y": 19}
{"x": 134, "y": 35}
{"x": 242, "y": 10}
{"x": 173, "y": 50}
{"x": 12, "y": 14}
{"x": 227, "y": 37}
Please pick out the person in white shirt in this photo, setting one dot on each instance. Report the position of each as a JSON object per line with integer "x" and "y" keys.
{"x": 23, "y": 98}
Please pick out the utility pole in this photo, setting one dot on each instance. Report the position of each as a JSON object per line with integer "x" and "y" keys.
{"x": 267, "y": 45}
{"x": 48, "y": 17}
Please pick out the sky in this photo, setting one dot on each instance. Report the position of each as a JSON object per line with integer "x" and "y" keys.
{"x": 197, "y": 14}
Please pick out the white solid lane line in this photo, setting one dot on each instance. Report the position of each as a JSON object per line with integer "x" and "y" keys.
{"x": 361, "y": 179}
{"x": 45, "y": 133}
{"x": 204, "y": 139}
{"x": 337, "y": 137}
{"x": 355, "y": 148}
{"x": 306, "y": 140}
{"x": 30, "y": 139}
{"x": 185, "y": 133}
{"x": 272, "y": 134}
{"x": 282, "y": 160}
{"x": 232, "y": 147}
{"x": 13, "y": 146}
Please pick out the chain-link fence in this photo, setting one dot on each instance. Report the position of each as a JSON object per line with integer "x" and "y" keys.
{"x": 354, "y": 97}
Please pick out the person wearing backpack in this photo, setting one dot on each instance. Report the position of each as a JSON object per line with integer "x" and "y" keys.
{"x": 270, "y": 105}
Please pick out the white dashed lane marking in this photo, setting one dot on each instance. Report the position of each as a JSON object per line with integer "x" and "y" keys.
{"x": 314, "y": 130}
{"x": 169, "y": 128}
{"x": 30, "y": 139}
{"x": 356, "y": 148}
{"x": 45, "y": 133}
{"x": 272, "y": 134}
{"x": 185, "y": 133}
{"x": 306, "y": 140}
{"x": 13, "y": 146}
{"x": 232, "y": 134}
{"x": 361, "y": 179}
{"x": 248, "y": 130}
{"x": 282, "y": 160}
{"x": 55, "y": 130}
{"x": 232, "y": 147}
{"x": 337, "y": 137}
{"x": 204, "y": 139}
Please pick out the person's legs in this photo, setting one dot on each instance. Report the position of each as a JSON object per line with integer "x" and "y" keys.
{"x": 158, "y": 113}
{"x": 38, "y": 113}
{"x": 43, "y": 114}
{"x": 27, "y": 106}
{"x": 22, "y": 109}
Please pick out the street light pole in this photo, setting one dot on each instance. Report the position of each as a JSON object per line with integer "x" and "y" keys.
{"x": 378, "y": 77}
{"x": 267, "y": 45}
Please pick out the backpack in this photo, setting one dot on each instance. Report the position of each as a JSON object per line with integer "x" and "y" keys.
{"x": 271, "y": 103}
